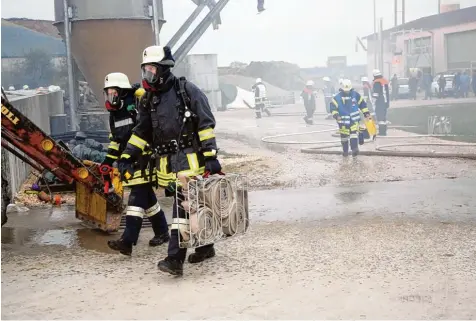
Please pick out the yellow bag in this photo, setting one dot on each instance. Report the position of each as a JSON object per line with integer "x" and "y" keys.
{"x": 371, "y": 128}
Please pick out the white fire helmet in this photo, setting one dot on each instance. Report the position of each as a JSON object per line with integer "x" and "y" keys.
{"x": 363, "y": 79}
{"x": 258, "y": 80}
{"x": 377, "y": 72}
{"x": 326, "y": 79}
{"x": 117, "y": 79}
{"x": 310, "y": 83}
{"x": 346, "y": 85}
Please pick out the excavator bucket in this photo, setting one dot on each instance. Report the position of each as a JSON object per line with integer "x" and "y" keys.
{"x": 93, "y": 209}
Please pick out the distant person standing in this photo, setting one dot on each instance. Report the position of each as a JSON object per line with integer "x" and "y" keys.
{"x": 441, "y": 86}
{"x": 413, "y": 85}
{"x": 367, "y": 94}
{"x": 465, "y": 81}
{"x": 427, "y": 80}
{"x": 381, "y": 96}
{"x": 473, "y": 82}
{"x": 394, "y": 84}
{"x": 457, "y": 84}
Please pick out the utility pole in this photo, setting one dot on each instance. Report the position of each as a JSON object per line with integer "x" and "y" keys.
{"x": 158, "y": 14}
{"x": 381, "y": 45}
{"x": 439, "y": 6}
{"x": 403, "y": 12}
{"x": 396, "y": 12}
{"x": 69, "y": 63}
{"x": 375, "y": 35}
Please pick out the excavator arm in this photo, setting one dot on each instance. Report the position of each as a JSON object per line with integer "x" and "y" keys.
{"x": 43, "y": 152}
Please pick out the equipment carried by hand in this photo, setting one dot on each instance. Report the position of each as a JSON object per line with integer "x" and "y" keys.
{"x": 371, "y": 128}
{"x": 216, "y": 207}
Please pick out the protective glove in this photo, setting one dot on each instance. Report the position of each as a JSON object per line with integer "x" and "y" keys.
{"x": 212, "y": 166}
{"x": 126, "y": 168}
{"x": 336, "y": 117}
{"x": 131, "y": 107}
{"x": 367, "y": 115}
{"x": 136, "y": 86}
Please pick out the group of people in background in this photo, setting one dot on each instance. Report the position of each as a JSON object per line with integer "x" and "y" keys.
{"x": 462, "y": 83}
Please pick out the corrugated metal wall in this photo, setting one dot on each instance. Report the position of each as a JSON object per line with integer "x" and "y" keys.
{"x": 460, "y": 49}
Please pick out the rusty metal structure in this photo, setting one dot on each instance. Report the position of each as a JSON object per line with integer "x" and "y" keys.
{"x": 27, "y": 141}
{"x": 92, "y": 33}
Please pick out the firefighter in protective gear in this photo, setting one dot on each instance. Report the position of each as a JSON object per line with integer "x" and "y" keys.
{"x": 346, "y": 107}
{"x": 176, "y": 123}
{"x": 261, "y": 99}
{"x": 381, "y": 95}
{"x": 120, "y": 102}
{"x": 367, "y": 94}
{"x": 309, "y": 96}
{"x": 329, "y": 92}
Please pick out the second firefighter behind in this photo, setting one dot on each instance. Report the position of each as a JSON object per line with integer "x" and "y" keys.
{"x": 177, "y": 124}
{"x": 120, "y": 101}
{"x": 381, "y": 95}
{"x": 345, "y": 108}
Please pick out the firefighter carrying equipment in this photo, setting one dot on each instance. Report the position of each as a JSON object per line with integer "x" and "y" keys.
{"x": 345, "y": 108}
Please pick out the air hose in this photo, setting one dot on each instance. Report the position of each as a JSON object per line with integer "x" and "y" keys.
{"x": 380, "y": 150}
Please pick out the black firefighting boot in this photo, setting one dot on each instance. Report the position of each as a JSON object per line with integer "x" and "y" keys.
{"x": 160, "y": 228}
{"x": 201, "y": 254}
{"x": 354, "y": 145}
{"x": 121, "y": 246}
{"x": 266, "y": 110}
{"x": 258, "y": 114}
{"x": 345, "y": 148}
{"x": 171, "y": 266}
{"x": 129, "y": 237}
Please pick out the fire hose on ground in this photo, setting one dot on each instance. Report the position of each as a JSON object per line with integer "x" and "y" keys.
{"x": 379, "y": 150}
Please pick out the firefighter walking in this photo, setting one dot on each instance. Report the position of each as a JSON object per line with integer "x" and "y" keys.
{"x": 309, "y": 96}
{"x": 381, "y": 95}
{"x": 120, "y": 98}
{"x": 261, "y": 98}
{"x": 176, "y": 123}
{"x": 345, "y": 108}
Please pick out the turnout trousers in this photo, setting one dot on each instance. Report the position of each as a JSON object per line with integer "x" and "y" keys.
{"x": 179, "y": 216}
{"x": 143, "y": 202}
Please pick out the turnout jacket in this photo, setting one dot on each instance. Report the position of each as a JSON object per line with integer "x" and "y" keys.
{"x": 177, "y": 125}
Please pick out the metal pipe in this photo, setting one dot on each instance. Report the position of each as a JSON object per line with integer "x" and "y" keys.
{"x": 69, "y": 62}
{"x": 192, "y": 39}
{"x": 375, "y": 35}
{"x": 403, "y": 12}
{"x": 396, "y": 12}
{"x": 157, "y": 15}
{"x": 172, "y": 42}
{"x": 381, "y": 45}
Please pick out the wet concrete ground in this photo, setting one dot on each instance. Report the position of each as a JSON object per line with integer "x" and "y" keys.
{"x": 378, "y": 238}
{"x": 379, "y": 250}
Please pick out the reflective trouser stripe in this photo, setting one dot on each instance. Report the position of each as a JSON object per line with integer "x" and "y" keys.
{"x": 179, "y": 222}
{"x": 135, "y": 211}
{"x": 153, "y": 210}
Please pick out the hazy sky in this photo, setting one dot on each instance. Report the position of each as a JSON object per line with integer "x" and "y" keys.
{"x": 299, "y": 31}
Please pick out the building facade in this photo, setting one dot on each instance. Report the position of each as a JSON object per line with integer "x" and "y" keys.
{"x": 440, "y": 43}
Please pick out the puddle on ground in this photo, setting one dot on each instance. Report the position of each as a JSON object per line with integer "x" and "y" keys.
{"x": 85, "y": 238}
